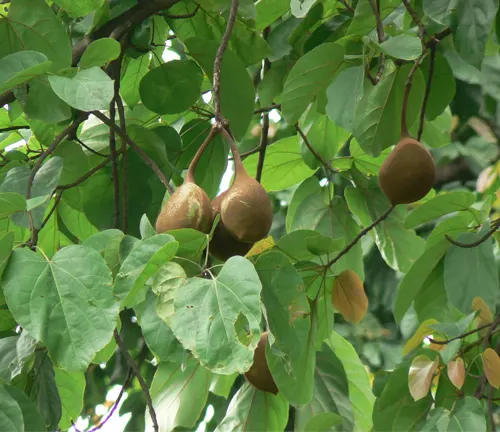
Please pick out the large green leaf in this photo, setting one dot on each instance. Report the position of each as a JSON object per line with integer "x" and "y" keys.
{"x": 100, "y": 52}
{"x": 32, "y": 419}
{"x": 179, "y": 394}
{"x": 285, "y": 300}
{"x": 78, "y": 8}
{"x": 60, "y": 303}
{"x": 11, "y": 416}
{"x": 269, "y": 11}
{"x": 20, "y": 67}
{"x": 236, "y": 89}
{"x": 11, "y": 203}
{"x": 439, "y": 206}
{"x": 39, "y": 97}
{"x": 471, "y": 272}
{"x": 475, "y": 19}
{"x": 210, "y": 314}
{"x": 90, "y": 89}
{"x": 255, "y": 410}
{"x": 283, "y": 167}
{"x": 311, "y": 75}
{"x": 172, "y": 87}
{"x": 32, "y": 25}
{"x": 133, "y": 70}
{"x": 404, "y": 47}
{"x": 309, "y": 186}
{"x": 378, "y": 114}
{"x": 71, "y": 387}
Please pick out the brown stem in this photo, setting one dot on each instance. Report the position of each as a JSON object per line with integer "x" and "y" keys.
{"x": 238, "y": 165}
{"x": 137, "y": 373}
{"x": 422, "y": 30}
{"x": 323, "y": 162}
{"x": 378, "y": 19}
{"x": 264, "y": 134}
{"x": 494, "y": 228}
{"x": 192, "y": 166}
{"x": 445, "y": 342}
{"x": 406, "y": 96}
{"x": 358, "y": 237}
{"x": 85, "y": 146}
{"x": 12, "y": 128}
{"x": 86, "y": 175}
{"x": 432, "y": 61}
{"x": 114, "y": 168}
{"x": 220, "y": 54}
{"x": 147, "y": 160}
{"x": 267, "y": 109}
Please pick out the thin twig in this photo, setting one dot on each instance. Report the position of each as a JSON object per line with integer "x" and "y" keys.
{"x": 85, "y": 146}
{"x": 445, "y": 342}
{"x": 137, "y": 373}
{"x": 36, "y": 231}
{"x": 267, "y": 109}
{"x": 406, "y": 96}
{"x": 87, "y": 174}
{"x": 264, "y": 134}
{"x": 378, "y": 19}
{"x": 422, "y": 30}
{"x": 493, "y": 229}
{"x": 147, "y": 160}
{"x": 183, "y": 16}
{"x": 38, "y": 164}
{"x": 218, "y": 58}
{"x": 432, "y": 62}
{"x": 358, "y": 237}
{"x": 323, "y": 162}
{"x": 13, "y": 128}
{"x": 347, "y": 5}
{"x": 121, "y": 116}
{"x": 114, "y": 167}
{"x": 117, "y": 401}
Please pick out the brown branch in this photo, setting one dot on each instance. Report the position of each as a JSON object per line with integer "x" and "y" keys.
{"x": 323, "y": 162}
{"x": 147, "y": 160}
{"x": 427, "y": 93}
{"x": 264, "y": 139}
{"x": 267, "y": 109}
{"x": 406, "y": 96}
{"x": 445, "y": 342}
{"x": 121, "y": 116}
{"x": 358, "y": 237}
{"x": 80, "y": 118}
{"x": 378, "y": 19}
{"x": 86, "y": 175}
{"x": 114, "y": 167}
{"x": 85, "y": 146}
{"x": 137, "y": 373}
{"x": 12, "y": 128}
{"x": 183, "y": 16}
{"x": 218, "y": 57}
{"x": 422, "y": 30}
{"x": 493, "y": 229}
{"x": 116, "y": 403}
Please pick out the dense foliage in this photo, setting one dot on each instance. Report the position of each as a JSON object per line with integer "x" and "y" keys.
{"x": 379, "y": 317}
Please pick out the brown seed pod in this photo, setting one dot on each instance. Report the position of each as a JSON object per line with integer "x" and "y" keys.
{"x": 223, "y": 245}
{"x": 409, "y": 172}
{"x": 259, "y": 374}
{"x": 245, "y": 209}
{"x": 189, "y": 206}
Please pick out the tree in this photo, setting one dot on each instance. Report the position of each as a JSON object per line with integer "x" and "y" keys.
{"x": 369, "y": 304}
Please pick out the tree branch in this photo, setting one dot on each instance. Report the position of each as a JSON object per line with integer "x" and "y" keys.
{"x": 432, "y": 62}
{"x": 137, "y": 373}
{"x": 493, "y": 229}
{"x": 378, "y": 19}
{"x": 422, "y": 30}
{"x": 264, "y": 133}
{"x": 121, "y": 116}
{"x": 267, "y": 109}
{"x": 85, "y": 146}
{"x": 445, "y": 342}
{"x": 218, "y": 57}
{"x": 406, "y": 96}
{"x": 347, "y": 5}
{"x": 12, "y": 128}
{"x": 358, "y": 237}
{"x": 325, "y": 164}
{"x": 86, "y": 175}
{"x": 147, "y": 160}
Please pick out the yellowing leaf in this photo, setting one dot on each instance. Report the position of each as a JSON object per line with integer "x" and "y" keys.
{"x": 422, "y": 332}
{"x": 485, "y": 316}
{"x": 348, "y": 296}
{"x": 261, "y": 246}
{"x": 456, "y": 372}
{"x": 491, "y": 364}
{"x": 420, "y": 376}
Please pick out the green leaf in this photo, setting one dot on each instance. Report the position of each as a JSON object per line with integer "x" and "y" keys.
{"x": 360, "y": 391}
{"x": 331, "y": 394}
{"x": 32, "y": 419}
{"x": 255, "y": 410}
{"x": 221, "y": 385}
{"x": 311, "y": 74}
{"x": 301, "y": 7}
{"x": 32, "y": 25}
{"x": 378, "y": 114}
{"x": 11, "y": 416}
{"x": 364, "y": 163}
{"x": 179, "y": 394}
{"x": 76, "y": 221}
{"x": 475, "y": 19}
{"x": 142, "y": 263}
{"x": 283, "y": 166}
{"x": 439, "y": 206}
{"x": 39, "y": 97}
{"x": 236, "y": 88}
{"x": 285, "y": 300}
{"x": 158, "y": 335}
{"x": 416, "y": 276}
{"x": 309, "y": 186}
{"x": 399, "y": 247}
{"x": 404, "y": 47}
{"x": 453, "y": 226}
{"x": 347, "y": 87}
{"x": 172, "y": 87}
{"x": 71, "y": 387}
{"x": 471, "y": 272}
{"x": 269, "y": 11}
{"x": 22, "y": 66}
{"x": 489, "y": 75}
{"x": 208, "y": 313}
{"x": 11, "y": 203}
{"x": 99, "y": 53}
{"x": 90, "y": 89}
{"x": 440, "y": 11}
{"x": 79, "y": 8}
{"x": 133, "y": 72}
{"x": 71, "y": 311}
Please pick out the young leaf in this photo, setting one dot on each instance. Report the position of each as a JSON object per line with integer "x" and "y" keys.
{"x": 420, "y": 376}
{"x": 348, "y": 296}
{"x": 491, "y": 363}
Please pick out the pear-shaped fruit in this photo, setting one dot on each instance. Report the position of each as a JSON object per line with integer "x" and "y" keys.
{"x": 409, "y": 172}
{"x": 223, "y": 245}
{"x": 189, "y": 206}
{"x": 259, "y": 374}
{"x": 245, "y": 209}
